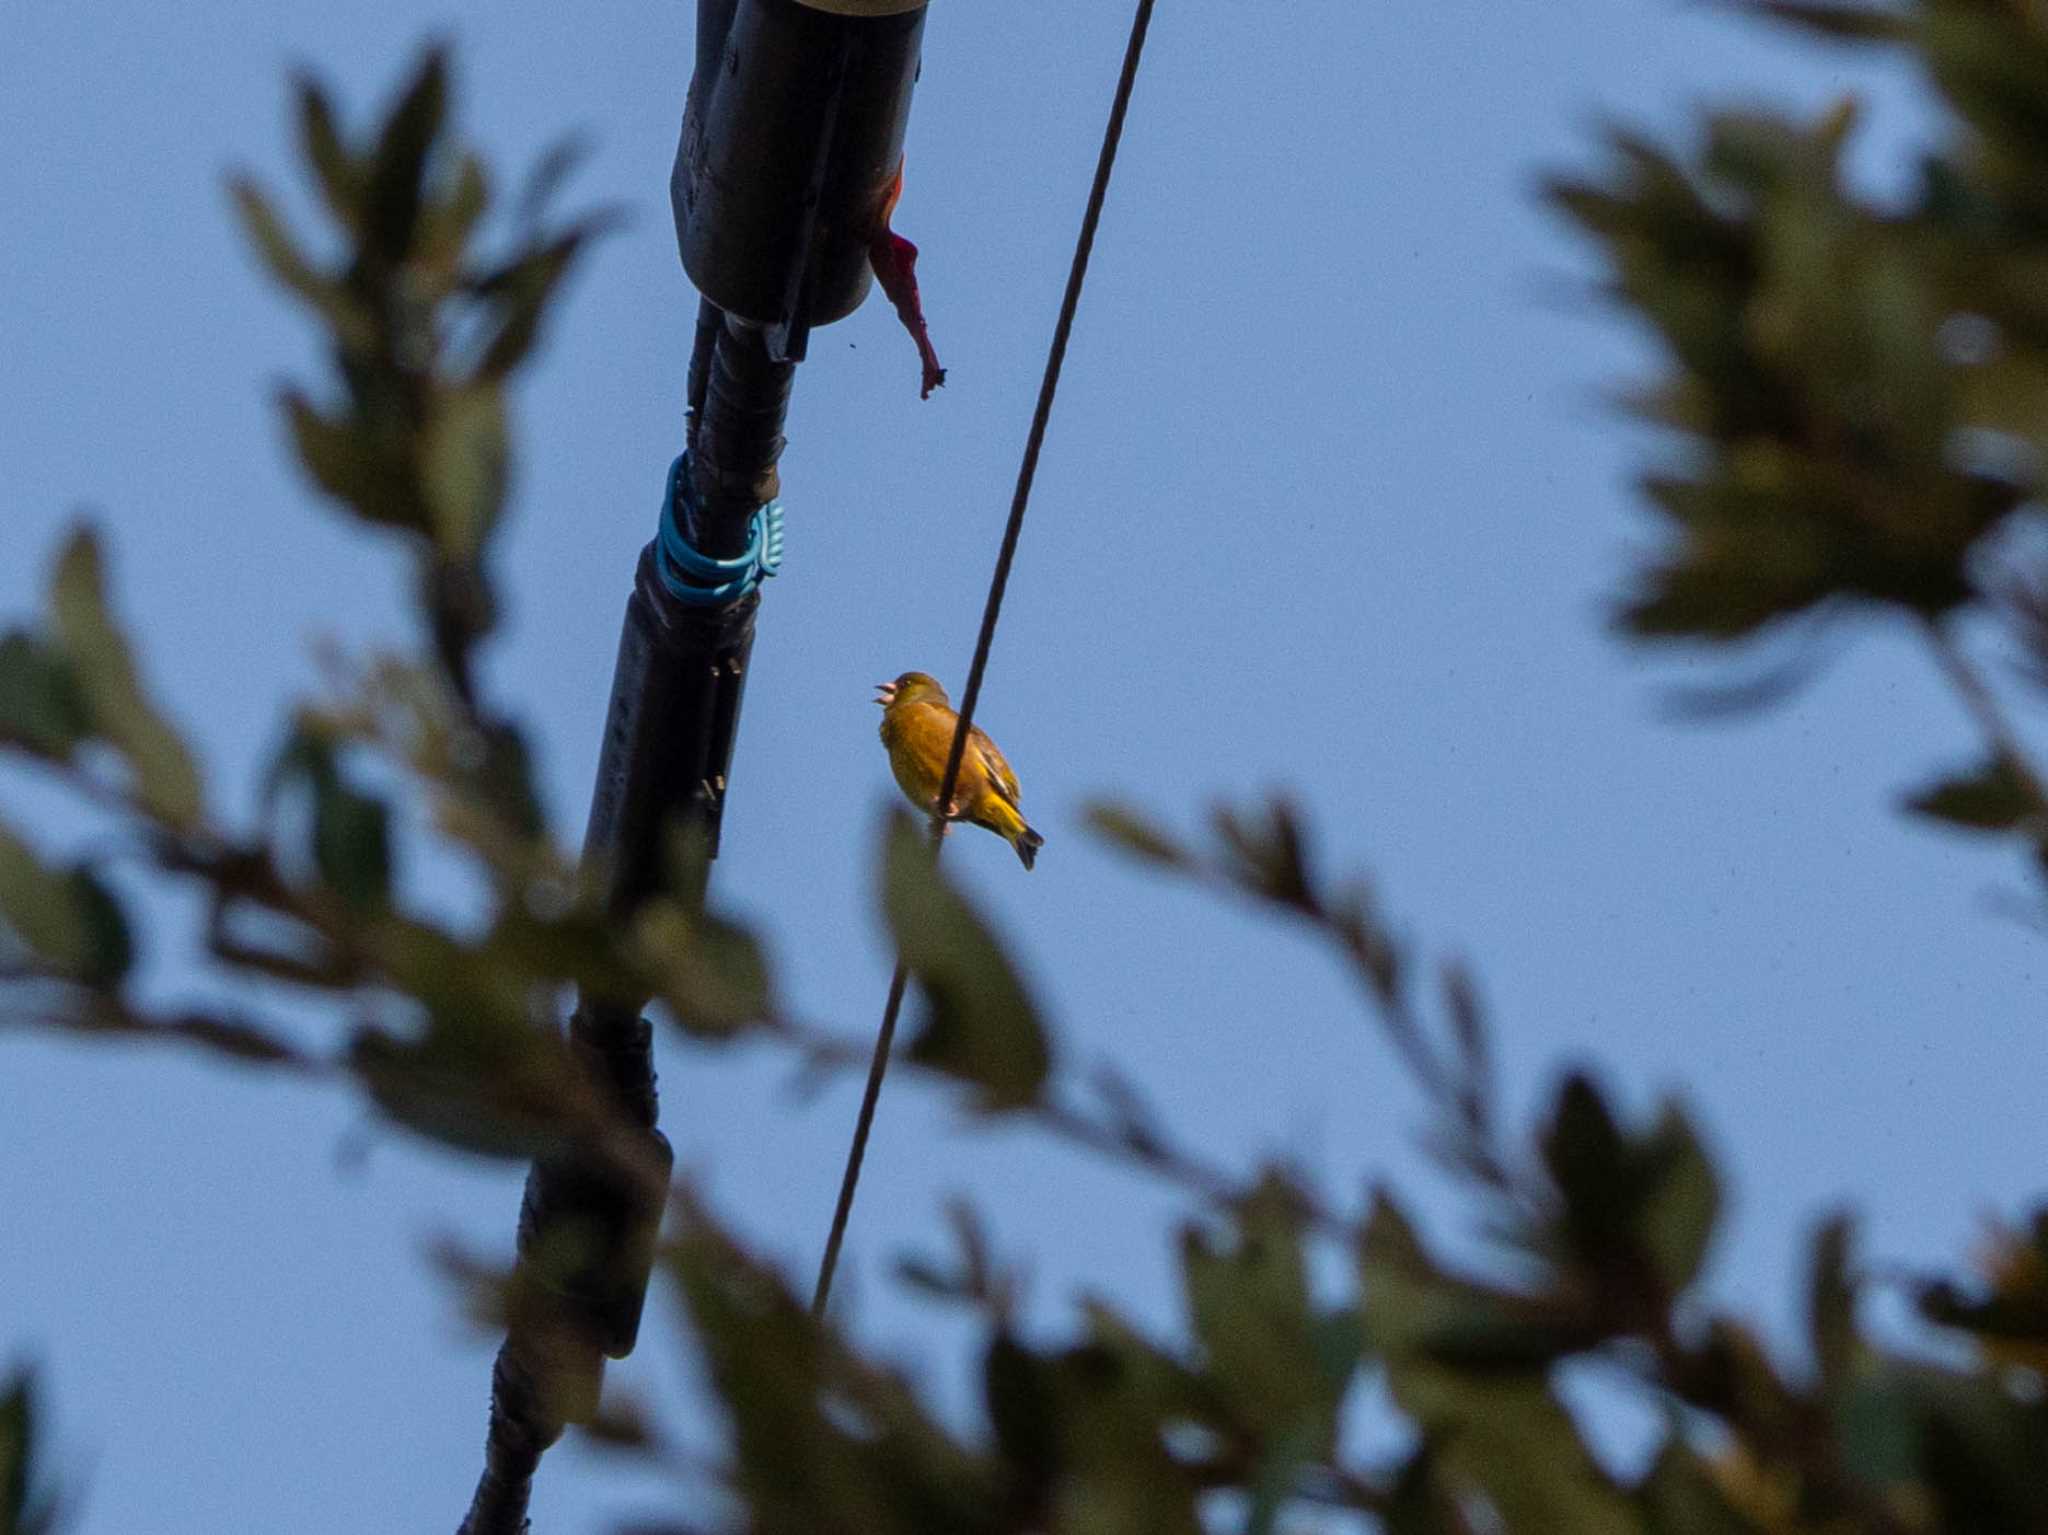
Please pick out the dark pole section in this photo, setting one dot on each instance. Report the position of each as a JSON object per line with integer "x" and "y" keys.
{"x": 792, "y": 136}
{"x": 512, "y": 1452}
{"x": 710, "y": 319}
{"x": 737, "y": 440}
{"x": 591, "y": 1216}
{"x": 667, "y": 750}
{"x": 668, "y": 742}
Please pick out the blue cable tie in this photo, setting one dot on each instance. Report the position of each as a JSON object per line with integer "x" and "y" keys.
{"x": 697, "y": 579}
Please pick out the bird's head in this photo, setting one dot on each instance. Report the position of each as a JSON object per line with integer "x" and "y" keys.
{"x": 911, "y": 687}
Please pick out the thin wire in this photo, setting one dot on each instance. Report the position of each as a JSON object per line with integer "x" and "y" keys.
{"x": 1027, "y": 471}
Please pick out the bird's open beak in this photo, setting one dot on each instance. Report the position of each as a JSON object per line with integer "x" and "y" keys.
{"x": 885, "y": 693}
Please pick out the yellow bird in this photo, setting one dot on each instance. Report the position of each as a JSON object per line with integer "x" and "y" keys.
{"x": 917, "y": 727}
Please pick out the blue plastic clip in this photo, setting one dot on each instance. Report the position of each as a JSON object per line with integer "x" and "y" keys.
{"x": 699, "y": 580}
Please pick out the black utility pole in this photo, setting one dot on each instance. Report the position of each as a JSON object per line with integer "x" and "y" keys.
{"x": 791, "y": 142}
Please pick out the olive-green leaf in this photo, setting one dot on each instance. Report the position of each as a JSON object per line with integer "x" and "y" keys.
{"x": 343, "y": 310}
{"x": 334, "y": 167}
{"x": 1414, "y": 1311}
{"x": 488, "y": 1085}
{"x": 398, "y": 163}
{"x": 1994, "y": 796}
{"x": 557, "y": 163}
{"x": 450, "y": 220}
{"x": 521, "y": 291}
{"x": 1831, "y": 1300}
{"x": 2007, "y": 1309}
{"x": 1023, "y": 1408}
{"x": 1255, "y": 1320}
{"x": 821, "y": 1440}
{"x": 711, "y": 971}
{"x": 351, "y": 464}
{"x": 274, "y": 244}
{"x": 66, "y": 918}
{"x": 1845, "y": 22}
{"x": 1266, "y": 852}
{"x": 1981, "y": 1445}
{"x": 1279, "y": 1367}
{"x": 351, "y": 830}
{"x": 1681, "y": 1497}
{"x": 1134, "y": 832}
{"x": 979, "y": 1025}
{"x": 41, "y": 709}
{"x": 1681, "y": 1200}
{"x": 28, "y": 1506}
{"x": 166, "y": 780}
{"x": 1508, "y": 1438}
{"x": 466, "y": 466}
{"x": 1588, "y": 1158}
{"x": 352, "y": 845}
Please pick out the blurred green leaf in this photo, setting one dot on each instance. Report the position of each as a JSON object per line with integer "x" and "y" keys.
{"x": 1511, "y": 1441}
{"x": 1415, "y": 1312}
{"x": 558, "y": 162}
{"x": 1136, "y": 833}
{"x": 1278, "y": 1366}
{"x": 1420, "y": 1504}
{"x": 27, "y": 1505}
{"x": 474, "y": 1080}
{"x": 414, "y": 435}
{"x": 1636, "y": 1206}
{"x": 1983, "y": 1449}
{"x": 352, "y": 846}
{"x": 1681, "y": 1200}
{"x": 352, "y": 465}
{"x": 1994, "y": 796}
{"x": 350, "y": 843}
{"x": 1496, "y": 1432}
{"x": 66, "y": 918}
{"x": 520, "y": 292}
{"x": 1022, "y": 1394}
{"x": 712, "y": 973}
{"x": 1841, "y": 20}
{"x": 335, "y": 169}
{"x": 1118, "y": 1397}
{"x": 503, "y": 779}
{"x": 166, "y": 780}
{"x": 1256, "y": 1323}
{"x": 1588, "y": 1159}
{"x": 41, "y": 709}
{"x": 1831, "y": 1301}
{"x": 274, "y": 245}
{"x": 452, "y": 219}
{"x": 979, "y": 1024}
{"x": 1681, "y": 1497}
{"x": 398, "y": 163}
{"x": 466, "y": 469}
{"x": 823, "y": 1443}
{"x": 1267, "y": 853}
{"x": 1953, "y": 1442}
{"x": 2006, "y": 1310}
{"x": 1807, "y": 373}
{"x": 273, "y": 242}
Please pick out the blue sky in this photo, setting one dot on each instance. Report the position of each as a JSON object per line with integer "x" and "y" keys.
{"x": 1329, "y": 502}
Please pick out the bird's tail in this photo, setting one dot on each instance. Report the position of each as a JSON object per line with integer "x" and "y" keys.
{"x": 1001, "y": 818}
{"x": 1027, "y": 843}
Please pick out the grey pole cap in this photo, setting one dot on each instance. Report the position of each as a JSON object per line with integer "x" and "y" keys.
{"x": 864, "y": 7}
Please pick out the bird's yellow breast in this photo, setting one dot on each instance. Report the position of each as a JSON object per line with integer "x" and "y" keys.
{"x": 918, "y": 737}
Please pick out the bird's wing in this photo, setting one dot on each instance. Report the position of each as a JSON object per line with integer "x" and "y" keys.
{"x": 1000, "y": 776}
